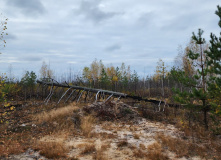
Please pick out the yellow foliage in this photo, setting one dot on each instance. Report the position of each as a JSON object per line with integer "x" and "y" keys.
{"x": 115, "y": 78}
{"x": 161, "y": 71}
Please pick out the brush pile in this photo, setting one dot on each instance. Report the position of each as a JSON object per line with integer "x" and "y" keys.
{"x": 111, "y": 110}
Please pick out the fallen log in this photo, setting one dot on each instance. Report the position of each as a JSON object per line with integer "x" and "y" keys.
{"x": 118, "y": 94}
{"x": 106, "y": 92}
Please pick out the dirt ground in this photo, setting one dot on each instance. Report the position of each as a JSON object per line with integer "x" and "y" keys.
{"x": 91, "y": 136}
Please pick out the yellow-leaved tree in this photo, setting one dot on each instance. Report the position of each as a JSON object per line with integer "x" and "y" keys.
{"x": 161, "y": 72}
{"x": 3, "y": 94}
{"x": 3, "y": 28}
{"x": 45, "y": 71}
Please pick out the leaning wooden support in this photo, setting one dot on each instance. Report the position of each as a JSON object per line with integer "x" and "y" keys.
{"x": 52, "y": 94}
{"x": 117, "y": 94}
{"x": 70, "y": 96}
{"x": 80, "y": 96}
{"x": 97, "y": 92}
{"x": 76, "y": 95}
{"x": 63, "y": 95}
{"x": 108, "y": 98}
{"x": 49, "y": 96}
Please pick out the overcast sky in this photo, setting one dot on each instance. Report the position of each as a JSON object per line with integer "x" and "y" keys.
{"x": 72, "y": 33}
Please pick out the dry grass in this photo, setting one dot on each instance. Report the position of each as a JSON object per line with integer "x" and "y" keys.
{"x": 87, "y": 124}
{"x": 142, "y": 146}
{"x": 136, "y": 136}
{"x": 14, "y": 143}
{"x": 72, "y": 158}
{"x": 105, "y": 135}
{"x": 54, "y": 150}
{"x": 133, "y": 128}
{"x": 108, "y": 126}
{"x": 59, "y": 136}
{"x": 174, "y": 144}
{"x": 122, "y": 143}
{"x": 56, "y": 120}
{"x": 155, "y": 152}
{"x": 55, "y": 114}
{"x": 10, "y": 147}
{"x": 55, "y": 125}
{"x": 100, "y": 155}
{"x": 88, "y": 148}
{"x": 181, "y": 147}
{"x": 104, "y": 147}
{"x": 154, "y": 147}
{"x": 139, "y": 153}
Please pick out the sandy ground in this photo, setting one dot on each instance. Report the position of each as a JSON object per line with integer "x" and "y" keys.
{"x": 141, "y": 134}
{"x": 106, "y": 137}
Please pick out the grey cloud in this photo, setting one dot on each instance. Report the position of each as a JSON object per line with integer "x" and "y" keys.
{"x": 178, "y": 23}
{"x": 113, "y": 48}
{"x": 90, "y": 10}
{"x": 28, "y": 7}
{"x": 31, "y": 58}
{"x": 131, "y": 32}
{"x": 146, "y": 19}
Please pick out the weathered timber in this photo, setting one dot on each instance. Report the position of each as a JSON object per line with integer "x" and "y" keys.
{"x": 146, "y": 100}
{"x": 83, "y": 88}
{"x": 97, "y": 91}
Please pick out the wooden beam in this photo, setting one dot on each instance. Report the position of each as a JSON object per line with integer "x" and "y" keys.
{"x": 83, "y": 88}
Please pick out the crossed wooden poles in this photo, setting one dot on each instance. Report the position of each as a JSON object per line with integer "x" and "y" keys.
{"x": 77, "y": 92}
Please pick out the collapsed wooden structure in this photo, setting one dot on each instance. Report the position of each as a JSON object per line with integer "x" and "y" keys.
{"x": 77, "y": 91}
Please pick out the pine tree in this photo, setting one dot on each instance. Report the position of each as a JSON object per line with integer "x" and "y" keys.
{"x": 104, "y": 80}
{"x": 214, "y": 68}
{"x": 206, "y": 90}
{"x": 28, "y": 81}
{"x": 194, "y": 94}
{"x": 135, "y": 79}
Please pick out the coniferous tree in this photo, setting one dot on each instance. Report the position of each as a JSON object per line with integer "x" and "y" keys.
{"x": 206, "y": 90}
{"x": 194, "y": 95}
{"x": 214, "y": 68}
{"x": 104, "y": 80}
{"x": 28, "y": 81}
{"x": 135, "y": 79}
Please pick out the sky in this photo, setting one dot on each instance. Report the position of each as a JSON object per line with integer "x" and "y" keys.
{"x": 73, "y": 33}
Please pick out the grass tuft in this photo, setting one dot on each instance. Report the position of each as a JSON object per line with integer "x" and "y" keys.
{"x": 88, "y": 148}
{"x": 138, "y": 153}
{"x": 55, "y": 114}
{"x": 100, "y": 155}
{"x": 87, "y": 124}
{"x": 155, "y": 152}
{"x": 181, "y": 147}
{"x": 122, "y": 143}
{"x": 10, "y": 147}
{"x": 52, "y": 150}
{"x": 136, "y": 136}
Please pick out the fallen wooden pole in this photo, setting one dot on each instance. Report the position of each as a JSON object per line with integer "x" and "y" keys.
{"x": 97, "y": 91}
{"x": 83, "y": 88}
